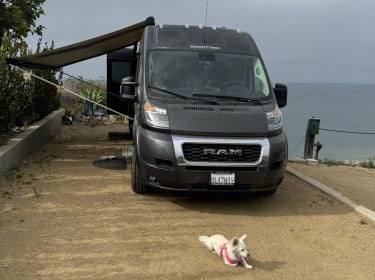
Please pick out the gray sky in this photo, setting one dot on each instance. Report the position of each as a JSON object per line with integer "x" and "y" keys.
{"x": 300, "y": 40}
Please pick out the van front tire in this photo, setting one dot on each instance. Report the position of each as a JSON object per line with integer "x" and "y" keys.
{"x": 137, "y": 182}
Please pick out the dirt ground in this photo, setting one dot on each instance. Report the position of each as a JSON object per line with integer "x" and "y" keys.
{"x": 67, "y": 215}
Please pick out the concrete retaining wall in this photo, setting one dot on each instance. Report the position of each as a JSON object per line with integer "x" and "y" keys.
{"x": 29, "y": 140}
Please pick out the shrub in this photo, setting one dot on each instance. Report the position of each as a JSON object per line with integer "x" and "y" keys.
{"x": 23, "y": 102}
{"x": 367, "y": 163}
{"x": 92, "y": 89}
{"x": 12, "y": 85}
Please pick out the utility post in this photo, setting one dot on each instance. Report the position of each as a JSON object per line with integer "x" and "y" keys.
{"x": 312, "y": 130}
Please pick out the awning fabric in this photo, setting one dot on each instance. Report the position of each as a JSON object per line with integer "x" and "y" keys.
{"x": 57, "y": 58}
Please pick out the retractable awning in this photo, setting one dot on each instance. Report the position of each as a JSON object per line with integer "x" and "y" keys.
{"x": 57, "y": 58}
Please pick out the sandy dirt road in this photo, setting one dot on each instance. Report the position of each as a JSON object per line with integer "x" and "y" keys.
{"x": 65, "y": 215}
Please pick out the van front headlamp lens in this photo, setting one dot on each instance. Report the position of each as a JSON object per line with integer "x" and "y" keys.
{"x": 275, "y": 119}
{"x": 155, "y": 116}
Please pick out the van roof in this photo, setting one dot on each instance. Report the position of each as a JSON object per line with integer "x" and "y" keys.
{"x": 200, "y": 38}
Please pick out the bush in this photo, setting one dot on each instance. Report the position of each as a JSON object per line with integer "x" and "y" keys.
{"x": 331, "y": 161}
{"x": 94, "y": 90}
{"x": 23, "y": 102}
{"x": 12, "y": 85}
{"x": 367, "y": 163}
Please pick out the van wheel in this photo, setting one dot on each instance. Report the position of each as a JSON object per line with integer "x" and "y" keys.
{"x": 138, "y": 185}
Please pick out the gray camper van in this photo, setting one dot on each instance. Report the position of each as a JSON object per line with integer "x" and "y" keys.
{"x": 206, "y": 118}
{"x": 203, "y": 113}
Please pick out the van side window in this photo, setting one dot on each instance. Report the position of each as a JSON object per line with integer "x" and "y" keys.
{"x": 120, "y": 69}
{"x": 260, "y": 80}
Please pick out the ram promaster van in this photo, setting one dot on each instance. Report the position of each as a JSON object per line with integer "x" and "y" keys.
{"x": 203, "y": 113}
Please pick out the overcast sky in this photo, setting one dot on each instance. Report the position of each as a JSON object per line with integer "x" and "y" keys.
{"x": 300, "y": 40}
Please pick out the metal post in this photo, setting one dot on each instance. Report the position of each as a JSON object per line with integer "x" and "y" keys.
{"x": 311, "y": 130}
{"x": 309, "y": 145}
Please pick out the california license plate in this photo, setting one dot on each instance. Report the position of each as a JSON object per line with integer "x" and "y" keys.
{"x": 222, "y": 179}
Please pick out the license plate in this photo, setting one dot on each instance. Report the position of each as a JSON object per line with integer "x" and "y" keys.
{"x": 222, "y": 179}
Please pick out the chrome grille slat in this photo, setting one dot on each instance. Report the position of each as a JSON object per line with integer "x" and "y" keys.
{"x": 194, "y": 152}
{"x": 262, "y": 160}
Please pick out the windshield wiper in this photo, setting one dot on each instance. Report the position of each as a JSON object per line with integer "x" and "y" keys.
{"x": 182, "y": 96}
{"x": 237, "y": 98}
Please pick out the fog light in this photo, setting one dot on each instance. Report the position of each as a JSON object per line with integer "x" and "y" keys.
{"x": 152, "y": 178}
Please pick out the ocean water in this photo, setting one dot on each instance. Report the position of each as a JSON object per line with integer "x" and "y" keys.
{"x": 348, "y": 107}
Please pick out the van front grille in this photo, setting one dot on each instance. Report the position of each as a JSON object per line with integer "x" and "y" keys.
{"x": 195, "y": 152}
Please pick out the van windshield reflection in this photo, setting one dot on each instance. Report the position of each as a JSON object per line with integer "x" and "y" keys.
{"x": 192, "y": 73}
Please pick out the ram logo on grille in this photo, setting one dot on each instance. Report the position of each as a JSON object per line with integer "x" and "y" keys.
{"x": 224, "y": 152}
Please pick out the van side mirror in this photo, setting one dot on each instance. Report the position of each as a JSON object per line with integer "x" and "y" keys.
{"x": 127, "y": 89}
{"x": 281, "y": 93}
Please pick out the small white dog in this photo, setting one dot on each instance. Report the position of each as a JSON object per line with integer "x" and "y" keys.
{"x": 233, "y": 252}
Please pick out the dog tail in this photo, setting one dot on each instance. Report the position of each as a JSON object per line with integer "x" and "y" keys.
{"x": 206, "y": 241}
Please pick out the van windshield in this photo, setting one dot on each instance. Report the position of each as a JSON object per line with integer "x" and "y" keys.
{"x": 207, "y": 74}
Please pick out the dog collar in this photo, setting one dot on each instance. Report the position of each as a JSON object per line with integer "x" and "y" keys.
{"x": 223, "y": 249}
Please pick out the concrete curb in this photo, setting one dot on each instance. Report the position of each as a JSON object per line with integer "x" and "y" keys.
{"x": 324, "y": 188}
{"x": 29, "y": 140}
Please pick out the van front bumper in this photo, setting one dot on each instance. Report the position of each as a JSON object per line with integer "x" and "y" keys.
{"x": 163, "y": 165}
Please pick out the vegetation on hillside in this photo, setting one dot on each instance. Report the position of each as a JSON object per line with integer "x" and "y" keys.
{"x": 22, "y": 101}
{"x": 92, "y": 89}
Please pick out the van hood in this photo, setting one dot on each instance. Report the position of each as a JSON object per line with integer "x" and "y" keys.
{"x": 218, "y": 120}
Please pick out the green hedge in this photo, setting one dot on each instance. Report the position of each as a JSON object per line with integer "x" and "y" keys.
{"x": 23, "y": 102}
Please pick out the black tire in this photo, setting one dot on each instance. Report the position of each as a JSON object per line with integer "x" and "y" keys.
{"x": 138, "y": 185}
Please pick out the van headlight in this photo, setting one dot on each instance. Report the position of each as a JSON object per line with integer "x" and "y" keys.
{"x": 275, "y": 119}
{"x": 155, "y": 116}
